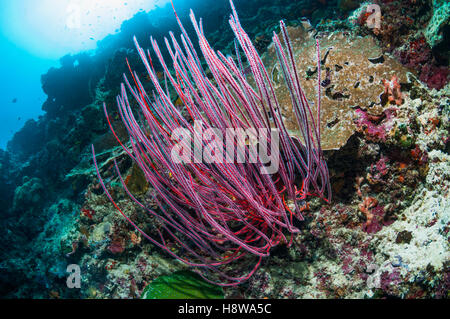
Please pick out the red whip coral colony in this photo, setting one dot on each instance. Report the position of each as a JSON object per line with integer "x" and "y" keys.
{"x": 215, "y": 214}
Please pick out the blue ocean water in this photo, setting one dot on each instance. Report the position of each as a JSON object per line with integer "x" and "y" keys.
{"x": 34, "y": 35}
{"x": 21, "y": 95}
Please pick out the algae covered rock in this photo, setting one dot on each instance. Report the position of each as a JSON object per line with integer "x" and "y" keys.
{"x": 347, "y": 5}
{"x": 29, "y": 193}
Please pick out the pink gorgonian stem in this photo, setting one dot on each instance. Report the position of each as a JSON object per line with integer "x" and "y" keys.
{"x": 214, "y": 215}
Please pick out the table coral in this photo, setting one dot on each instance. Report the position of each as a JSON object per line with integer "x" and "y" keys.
{"x": 356, "y": 67}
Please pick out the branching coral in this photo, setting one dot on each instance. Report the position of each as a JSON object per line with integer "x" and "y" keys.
{"x": 213, "y": 214}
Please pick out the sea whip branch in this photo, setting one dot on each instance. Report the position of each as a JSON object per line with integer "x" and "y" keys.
{"x": 212, "y": 215}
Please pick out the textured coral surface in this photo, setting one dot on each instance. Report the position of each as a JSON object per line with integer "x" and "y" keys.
{"x": 353, "y": 69}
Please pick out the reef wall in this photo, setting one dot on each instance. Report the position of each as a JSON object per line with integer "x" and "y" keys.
{"x": 388, "y": 159}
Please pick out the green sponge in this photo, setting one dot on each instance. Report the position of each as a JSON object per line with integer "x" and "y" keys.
{"x": 181, "y": 285}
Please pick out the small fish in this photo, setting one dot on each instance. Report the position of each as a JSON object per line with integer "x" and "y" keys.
{"x": 14, "y": 100}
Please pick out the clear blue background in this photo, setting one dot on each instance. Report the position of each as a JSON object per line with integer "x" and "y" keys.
{"x": 34, "y": 34}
